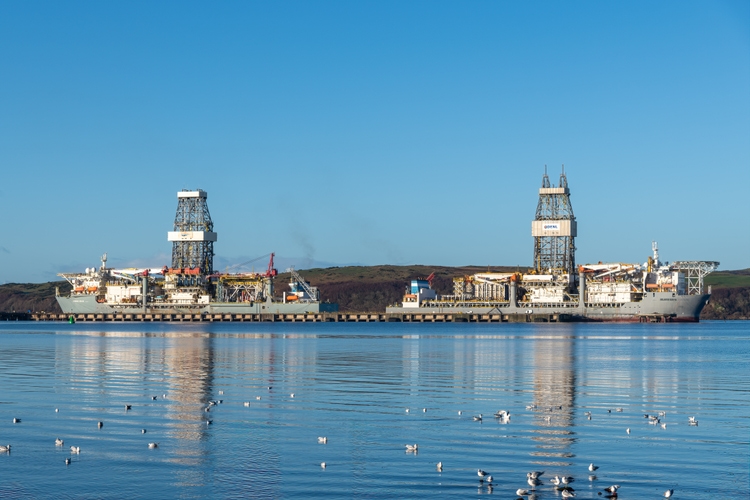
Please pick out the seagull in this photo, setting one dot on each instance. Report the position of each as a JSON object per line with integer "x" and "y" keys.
{"x": 247, "y": 403}
{"x": 460, "y": 412}
{"x": 151, "y": 446}
{"x": 57, "y": 410}
{"x": 75, "y": 449}
{"x": 627, "y": 430}
{"x": 164, "y": 396}
{"x": 4, "y": 449}
{"x": 440, "y": 466}
{"x": 612, "y": 489}
{"x": 555, "y": 480}
{"x": 412, "y": 447}
{"x": 407, "y": 410}
{"x": 534, "y": 474}
{"x": 127, "y": 407}
{"x": 619, "y": 410}
{"x": 257, "y": 397}
{"x": 668, "y": 493}
{"x": 489, "y": 479}
{"x": 221, "y": 393}
{"x": 664, "y": 425}
{"x": 209, "y": 422}
{"x": 481, "y": 474}
{"x": 662, "y": 414}
{"x": 291, "y": 395}
{"x": 593, "y": 467}
{"x": 477, "y": 418}
{"x": 522, "y": 492}
{"x": 531, "y": 407}
{"x": 322, "y": 440}
{"x": 323, "y": 464}
{"x": 16, "y": 420}
{"x": 566, "y": 479}
{"x": 59, "y": 442}
{"x": 533, "y": 482}
{"x": 67, "y": 461}
{"x": 153, "y": 398}
{"x": 143, "y": 431}
{"x": 424, "y": 410}
{"x": 568, "y": 494}
{"x": 99, "y": 424}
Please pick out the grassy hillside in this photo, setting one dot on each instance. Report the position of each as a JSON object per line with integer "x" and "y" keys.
{"x": 729, "y": 279}
{"x": 21, "y": 297}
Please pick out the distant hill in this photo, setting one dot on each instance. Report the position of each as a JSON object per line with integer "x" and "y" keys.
{"x": 372, "y": 288}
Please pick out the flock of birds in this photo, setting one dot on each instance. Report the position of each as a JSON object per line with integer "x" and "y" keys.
{"x": 76, "y": 450}
{"x": 560, "y": 483}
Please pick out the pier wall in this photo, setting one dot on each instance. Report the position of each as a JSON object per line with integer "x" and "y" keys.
{"x": 308, "y": 318}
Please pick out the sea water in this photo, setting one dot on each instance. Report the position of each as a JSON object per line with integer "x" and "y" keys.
{"x": 370, "y": 389}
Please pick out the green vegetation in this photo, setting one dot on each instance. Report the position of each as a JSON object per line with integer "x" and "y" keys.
{"x": 729, "y": 279}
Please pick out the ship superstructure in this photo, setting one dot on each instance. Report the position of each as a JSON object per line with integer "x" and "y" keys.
{"x": 651, "y": 291}
{"x": 190, "y": 284}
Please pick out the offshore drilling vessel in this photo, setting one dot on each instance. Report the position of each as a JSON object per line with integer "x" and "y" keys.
{"x": 190, "y": 285}
{"x": 652, "y": 291}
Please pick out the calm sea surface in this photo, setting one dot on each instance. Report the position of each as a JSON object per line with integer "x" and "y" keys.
{"x": 353, "y": 384}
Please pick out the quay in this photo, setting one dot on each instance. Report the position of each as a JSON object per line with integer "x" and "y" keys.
{"x": 309, "y": 317}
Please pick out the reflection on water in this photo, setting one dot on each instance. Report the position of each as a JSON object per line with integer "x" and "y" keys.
{"x": 554, "y": 397}
{"x": 353, "y": 383}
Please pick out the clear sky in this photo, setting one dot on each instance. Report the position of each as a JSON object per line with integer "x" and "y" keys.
{"x": 372, "y": 132}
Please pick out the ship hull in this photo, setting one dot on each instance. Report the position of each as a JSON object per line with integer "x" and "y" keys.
{"x": 87, "y": 304}
{"x": 657, "y": 306}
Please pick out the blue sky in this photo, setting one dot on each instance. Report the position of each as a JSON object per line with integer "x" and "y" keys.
{"x": 371, "y": 132}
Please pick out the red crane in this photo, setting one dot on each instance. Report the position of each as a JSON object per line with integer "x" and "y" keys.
{"x": 430, "y": 278}
{"x": 271, "y": 272}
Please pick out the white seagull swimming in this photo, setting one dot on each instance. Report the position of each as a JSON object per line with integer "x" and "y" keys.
{"x": 440, "y": 466}
{"x": 668, "y": 493}
{"x": 568, "y": 494}
{"x": 153, "y": 445}
{"x": 4, "y": 449}
{"x": 75, "y": 449}
{"x": 59, "y": 442}
{"x": 322, "y": 440}
{"x": 412, "y": 447}
{"x": 522, "y": 492}
{"x": 593, "y": 467}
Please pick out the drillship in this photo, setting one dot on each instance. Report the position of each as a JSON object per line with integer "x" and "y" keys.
{"x": 190, "y": 285}
{"x": 648, "y": 292}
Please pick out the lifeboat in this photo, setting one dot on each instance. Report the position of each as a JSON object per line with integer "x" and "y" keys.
{"x": 291, "y": 298}
{"x": 79, "y": 289}
{"x": 92, "y": 289}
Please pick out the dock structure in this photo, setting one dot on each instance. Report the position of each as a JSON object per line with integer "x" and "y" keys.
{"x": 336, "y": 317}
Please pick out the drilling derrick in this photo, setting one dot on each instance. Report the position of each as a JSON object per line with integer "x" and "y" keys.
{"x": 554, "y": 229}
{"x": 193, "y": 237}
